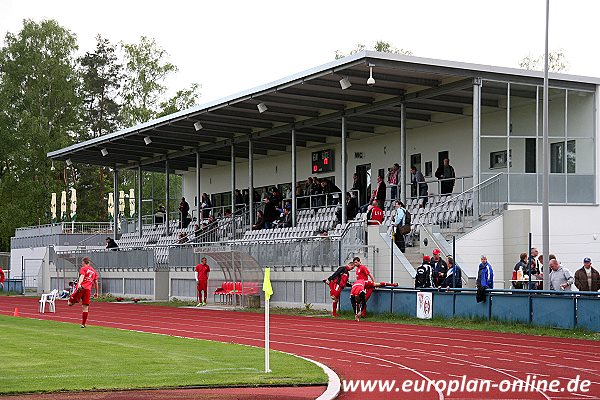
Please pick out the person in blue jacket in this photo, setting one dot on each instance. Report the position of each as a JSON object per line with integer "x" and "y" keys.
{"x": 485, "y": 276}
{"x": 454, "y": 276}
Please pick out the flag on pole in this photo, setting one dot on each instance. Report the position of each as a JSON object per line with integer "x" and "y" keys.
{"x": 267, "y": 288}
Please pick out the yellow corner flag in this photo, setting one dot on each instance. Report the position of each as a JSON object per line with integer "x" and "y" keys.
{"x": 267, "y": 288}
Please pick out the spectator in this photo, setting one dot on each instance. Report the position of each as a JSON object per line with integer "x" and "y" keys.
{"x": 587, "y": 278}
{"x": 534, "y": 268}
{"x": 399, "y": 221}
{"x": 423, "y": 277}
{"x": 374, "y": 214}
{"x": 444, "y": 173}
{"x": 260, "y": 221}
{"x": 286, "y": 218}
{"x": 182, "y": 238}
{"x": 184, "y": 209}
{"x": 300, "y": 199}
{"x": 357, "y": 189}
{"x": 418, "y": 187}
{"x": 560, "y": 277}
{"x": 485, "y": 274}
{"x": 392, "y": 179}
{"x": 160, "y": 215}
{"x": 111, "y": 244}
{"x": 211, "y": 219}
{"x": 439, "y": 268}
{"x": 454, "y": 276}
{"x": 197, "y": 232}
{"x": 246, "y": 196}
{"x": 270, "y": 214}
{"x": 518, "y": 272}
{"x": 351, "y": 209}
{"x": 379, "y": 192}
{"x": 205, "y": 205}
{"x": 239, "y": 199}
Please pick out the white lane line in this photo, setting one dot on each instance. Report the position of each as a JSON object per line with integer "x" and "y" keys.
{"x": 504, "y": 359}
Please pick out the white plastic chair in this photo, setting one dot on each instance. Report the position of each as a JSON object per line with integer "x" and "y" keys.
{"x": 48, "y": 298}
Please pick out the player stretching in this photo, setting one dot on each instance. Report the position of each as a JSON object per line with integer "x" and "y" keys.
{"x": 202, "y": 271}
{"x": 360, "y": 293}
{"x": 337, "y": 282}
{"x": 88, "y": 277}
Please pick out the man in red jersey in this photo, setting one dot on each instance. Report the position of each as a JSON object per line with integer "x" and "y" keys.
{"x": 375, "y": 213}
{"x": 202, "y": 271}
{"x": 88, "y": 277}
{"x": 1, "y": 278}
{"x": 362, "y": 272}
{"x": 360, "y": 293}
{"x": 337, "y": 282}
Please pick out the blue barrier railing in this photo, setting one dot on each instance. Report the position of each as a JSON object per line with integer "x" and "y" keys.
{"x": 559, "y": 309}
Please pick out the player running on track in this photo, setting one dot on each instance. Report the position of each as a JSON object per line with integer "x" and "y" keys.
{"x": 88, "y": 277}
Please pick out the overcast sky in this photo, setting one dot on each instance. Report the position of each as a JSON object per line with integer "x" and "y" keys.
{"x": 230, "y": 46}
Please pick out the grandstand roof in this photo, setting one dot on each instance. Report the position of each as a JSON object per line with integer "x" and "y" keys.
{"x": 312, "y": 101}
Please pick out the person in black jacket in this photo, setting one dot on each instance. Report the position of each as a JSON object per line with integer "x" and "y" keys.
{"x": 439, "y": 268}
{"x": 111, "y": 244}
{"x": 445, "y": 172}
{"x": 271, "y": 213}
{"x": 454, "y": 275}
{"x": 423, "y": 276}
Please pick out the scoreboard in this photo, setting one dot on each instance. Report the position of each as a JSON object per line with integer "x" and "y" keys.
{"x": 322, "y": 161}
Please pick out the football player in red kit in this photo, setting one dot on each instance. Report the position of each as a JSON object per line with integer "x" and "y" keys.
{"x": 337, "y": 282}
{"x": 202, "y": 271}
{"x": 88, "y": 277}
{"x": 360, "y": 293}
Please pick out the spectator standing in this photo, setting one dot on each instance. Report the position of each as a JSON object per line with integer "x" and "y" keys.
{"x": 519, "y": 272}
{"x": 534, "y": 268}
{"x": 399, "y": 222}
{"x": 271, "y": 214}
{"x": 206, "y": 205}
{"x": 357, "y": 189}
{"x": 439, "y": 268}
{"x": 423, "y": 278}
{"x": 560, "y": 277}
{"x": 454, "y": 275}
{"x": 418, "y": 185}
{"x": 184, "y": 209}
{"x": 88, "y": 278}
{"x": 587, "y": 278}
{"x": 379, "y": 192}
{"x": 239, "y": 200}
{"x": 485, "y": 278}
{"x": 201, "y": 271}
{"x": 351, "y": 208}
{"x": 445, "y": 173}
{"x": 392, "y": 179}
{"x": 111, "y": 244}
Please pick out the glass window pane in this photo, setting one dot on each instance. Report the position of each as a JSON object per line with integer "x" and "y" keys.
{"x": 522, "y": 110}
{"x": 494, "y": 156}
{"x": 580, "y": 156}
{"x": 580, "y": 114}
{"x": 556, "y": 112}
{"x": 557, "y": 157}
{"x": 580, "y": 188}
{"x": 523, "y": 188}
{"x": 493, "y": 108}
{"x": 557, "y": 189}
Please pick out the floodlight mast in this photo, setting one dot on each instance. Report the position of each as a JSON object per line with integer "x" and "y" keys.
{"x": 546, "y": 160}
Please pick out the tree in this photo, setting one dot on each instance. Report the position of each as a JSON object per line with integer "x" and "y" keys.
{"x": 557, "y": 62}
{"x": 39, "y": 113}
{"x": 101, "y": 76}
{"x": 182, "y": 100}
{"x": 379, "y": 45}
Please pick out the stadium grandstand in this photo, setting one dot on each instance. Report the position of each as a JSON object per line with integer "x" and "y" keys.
{"x": 345, "y": 124}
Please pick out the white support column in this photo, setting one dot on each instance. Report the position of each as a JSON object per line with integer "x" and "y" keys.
{"x": 198, "y": 189}
{"x": 293, "y": 176}
{"x": 116, "y": 202}
{"x": 476, "y": 142}
{"x": 139, "y": 206}
{"x": 167, "y": 205}
{"x": 546, "y": 163}
{"x": 251, "y": 181}
{"x": 403, "y": 166}
{"x": 344, "y": 165}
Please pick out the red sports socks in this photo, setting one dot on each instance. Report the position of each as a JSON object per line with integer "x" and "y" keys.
{"x": 335, "y": 303}
{"x": 84, "y": 316}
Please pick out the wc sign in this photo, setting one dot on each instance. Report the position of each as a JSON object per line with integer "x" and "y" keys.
{"x": 424, "y": 305}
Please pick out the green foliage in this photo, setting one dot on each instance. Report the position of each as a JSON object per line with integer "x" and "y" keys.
{"x": 380, "y": 45}
{"x": 41, "y": 112}
{"x": 557, "y": 62}
{"x": 32, "y": 351}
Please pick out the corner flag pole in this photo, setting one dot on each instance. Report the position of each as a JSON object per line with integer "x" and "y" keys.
{"x": 268, "y": 289}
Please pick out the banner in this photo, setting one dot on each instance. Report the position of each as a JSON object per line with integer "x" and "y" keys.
{"x": 73, "y": 204}
{"x": 131, "y": 203}
{"x": 111, "y": 207}
{"x": 424, "y": 305}
{"x": 53, "y": 207}
{"x": 63, "y": 206}
{"x": 121, "y": 202}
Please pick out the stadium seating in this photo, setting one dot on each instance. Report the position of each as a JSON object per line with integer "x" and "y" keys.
{"x": 229, "y": 292}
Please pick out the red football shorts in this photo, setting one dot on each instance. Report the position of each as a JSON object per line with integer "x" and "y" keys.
{"x": 82, "y": 295}
{"x": 202, "y": 285}
{"x": 335, "y": 289}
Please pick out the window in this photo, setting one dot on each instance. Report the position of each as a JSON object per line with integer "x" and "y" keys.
{"x": 557, "y": 158}
{"x": 415, "y": 160}
{"x": 498, "y": 159}
{"x": 530, "y": 155}
{"x": 570, "y": 157}
{"x": 428, "y": 168}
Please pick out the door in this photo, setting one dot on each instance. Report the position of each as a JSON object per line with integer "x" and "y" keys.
{"x": 364, "y": 178}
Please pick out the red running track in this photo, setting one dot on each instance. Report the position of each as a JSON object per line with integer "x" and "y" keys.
{"x": 367, "y": 350}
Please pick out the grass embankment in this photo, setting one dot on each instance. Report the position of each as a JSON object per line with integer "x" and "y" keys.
{"x": 48, "y": 356}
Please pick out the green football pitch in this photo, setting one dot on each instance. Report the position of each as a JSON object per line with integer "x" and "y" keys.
{"x": 48, "y": 356}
